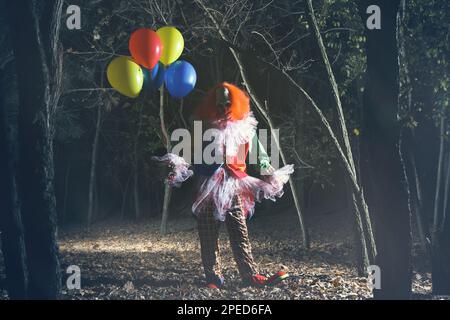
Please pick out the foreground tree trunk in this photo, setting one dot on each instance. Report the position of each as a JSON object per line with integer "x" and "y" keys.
{"x": 408, "y": 134}
{"x": 440, "y": 231}
{"x": 440, "y": 254}
{"x": 381, "y": 136}
{"x": 11, "y": 229}
{"x": 30, "y": 23}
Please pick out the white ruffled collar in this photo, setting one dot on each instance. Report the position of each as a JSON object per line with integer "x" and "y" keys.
{"x": 233, "y": 134}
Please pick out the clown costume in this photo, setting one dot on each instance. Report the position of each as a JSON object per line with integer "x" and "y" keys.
{"x": 225, "y": 192}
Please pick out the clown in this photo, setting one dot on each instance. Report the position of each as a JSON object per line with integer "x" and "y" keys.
{"x": 225, "y": 192}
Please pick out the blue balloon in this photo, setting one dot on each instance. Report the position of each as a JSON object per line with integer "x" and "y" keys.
{"x": 158, "y": 75}
{"x": 153, "y": 79}
{"x": 180, "y": 78}
{"x": 147, "y": 76}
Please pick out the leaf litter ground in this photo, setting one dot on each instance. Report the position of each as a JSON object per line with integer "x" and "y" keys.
{"x": 133, "y": 261}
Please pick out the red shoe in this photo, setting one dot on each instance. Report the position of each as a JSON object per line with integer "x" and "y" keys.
{"x": 260, "y": 281}
{"x": 215, "y": 283}
{"x": 257, "y": 280}
{"x": 212, "y": 286}
{"x": 277, "y": 278}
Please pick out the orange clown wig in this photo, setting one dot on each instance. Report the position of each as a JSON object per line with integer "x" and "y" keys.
{"x": 238, "y": 109}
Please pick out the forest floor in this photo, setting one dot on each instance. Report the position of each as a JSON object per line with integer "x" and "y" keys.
{"x": 133, "y": 261}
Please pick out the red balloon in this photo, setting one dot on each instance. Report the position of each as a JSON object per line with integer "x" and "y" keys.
{"x": 145, "y": 47}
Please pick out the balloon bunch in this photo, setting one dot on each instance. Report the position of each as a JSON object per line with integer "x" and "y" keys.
{"x": 153, "y": 62}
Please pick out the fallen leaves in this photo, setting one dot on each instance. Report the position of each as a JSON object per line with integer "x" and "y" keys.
{"x": 136, "y": 262}
{"x": 128, "y": 287}
{"x": 133, "y": 261}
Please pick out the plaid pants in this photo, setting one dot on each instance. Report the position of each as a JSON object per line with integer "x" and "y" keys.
{"x": 208, "y": 230}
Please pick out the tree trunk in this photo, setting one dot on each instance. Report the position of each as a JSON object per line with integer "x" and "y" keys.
{"x": 408, "y": 134}
{"x": 167, "y": 188}
{"x": 36, "y": 171}
{"x": 93, "y": 170}
{"x": 416, "y": 201}
{"x": 63, "y": 215}
{"x": 360, "y": 203}
{"x": 446, "y": 186}
{"x": 137, "y": 209}
{"x": 441, "y": 257}
{"x": 362, "y": 256}
{"x": 381, "y": 134}
{"x": 124, "y": 197}
{"x": 11, "y": 229}
{"x": 292, "y": 184}
{"x": 165, "y": 211}
{"x": 437, "y": 197}
{"x": 440, "y": 233}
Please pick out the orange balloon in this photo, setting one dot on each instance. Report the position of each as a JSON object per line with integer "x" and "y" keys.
{"x": 145, "y": 47}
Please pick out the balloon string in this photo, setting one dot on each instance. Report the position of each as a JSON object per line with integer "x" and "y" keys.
{"x": 181, "y": 113}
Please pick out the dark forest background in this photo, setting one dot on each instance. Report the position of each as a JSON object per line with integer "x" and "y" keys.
{"x": 357, "y": 110}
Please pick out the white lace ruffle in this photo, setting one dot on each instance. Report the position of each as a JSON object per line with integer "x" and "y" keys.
{"x": 180, "y": 171}
{"x": 222, "y": 188}
{"x": 233, "y": 134}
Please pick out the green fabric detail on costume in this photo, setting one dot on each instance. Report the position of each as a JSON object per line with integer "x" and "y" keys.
{"x": 264, "y": 164}
{"x": 263, "y": 158}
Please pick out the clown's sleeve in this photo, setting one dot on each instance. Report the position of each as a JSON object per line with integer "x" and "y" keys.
{"x": 262, "y": 157}
{"x": 179, "y": 169}
{"x": 278, "y": 178}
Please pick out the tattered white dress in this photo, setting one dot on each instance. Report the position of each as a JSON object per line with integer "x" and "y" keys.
{"x": 224, "y": 185}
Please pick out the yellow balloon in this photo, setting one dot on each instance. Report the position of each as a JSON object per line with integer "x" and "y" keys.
{"x": 173, "y": 44}
{"x": 125, "y": 76}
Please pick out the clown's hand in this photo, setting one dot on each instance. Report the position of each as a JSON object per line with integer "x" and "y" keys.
{"x": 266, "y": 168}
{"x": 177, "y": 167}
{"x": 274, "y": 183}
